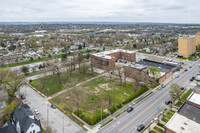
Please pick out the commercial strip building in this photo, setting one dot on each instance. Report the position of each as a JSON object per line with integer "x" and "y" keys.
{"x": 141, "y": 67}
{"x": 187, "y": 45}
{"x": 187, "y": 119}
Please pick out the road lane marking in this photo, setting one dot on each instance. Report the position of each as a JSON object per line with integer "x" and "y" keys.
{"x": 143, "y": 112}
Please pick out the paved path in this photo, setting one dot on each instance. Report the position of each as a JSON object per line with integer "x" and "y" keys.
{"x": 65, "y": 90}
{"x": 55, "y": 117}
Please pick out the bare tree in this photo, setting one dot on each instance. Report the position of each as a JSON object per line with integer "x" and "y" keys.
{"x": 119, "y": 70}
{"x": 15, "y": 81}
{"x": 57, "y": 71}
{"x": 79, "y": 58}
{"x": 4, "y": 73}
{"x": 110, "y": 102}
{"x": 92, "y": 68}
{"x": 110, "y": 72}
{"x": 125, "y": 75}
{"x": 76, "y": 92}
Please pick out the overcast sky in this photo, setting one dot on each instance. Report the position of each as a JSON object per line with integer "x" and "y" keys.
{"x": 173, "y": 11}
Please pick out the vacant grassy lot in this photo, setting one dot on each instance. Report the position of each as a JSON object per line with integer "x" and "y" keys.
{"x": 94, "y": 95}
{"x": 52, "y": 85}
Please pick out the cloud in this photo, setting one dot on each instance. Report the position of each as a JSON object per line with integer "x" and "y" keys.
{"x": 177, "y": 11}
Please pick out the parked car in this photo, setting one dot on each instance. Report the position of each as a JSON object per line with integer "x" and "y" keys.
{"x": 163, "y": 85}
{"x": 130, "y": 109}
{"x": 168, "y": 102}
{"x": 182, "y": 88}
{"x": 140, "y": 127}
{"x": 177, "y": 76}
{"x": 190, "y": 66}
{"x": 36, "y": 111}
{"x": 53, "y": 106}
{"x": 191, "y": 79}
{"x": 160, "y": 88}
{"x": 198, "y": 73}
{"x": 185, "y": 69}
{"x": 23, "y": 97}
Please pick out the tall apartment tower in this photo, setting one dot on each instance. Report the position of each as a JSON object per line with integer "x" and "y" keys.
{"x": 197, "y": 36}
{"x": 186, "y": 45}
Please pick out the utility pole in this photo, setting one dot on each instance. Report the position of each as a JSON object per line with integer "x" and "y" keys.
{"x": 101, "y": 113}
{"x": 47, "y": 116}
{"x": 63, "y": 125}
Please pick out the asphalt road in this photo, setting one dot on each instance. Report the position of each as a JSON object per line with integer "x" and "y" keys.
{"x": 55, "y": 117}
{"x": 147, "y": 109}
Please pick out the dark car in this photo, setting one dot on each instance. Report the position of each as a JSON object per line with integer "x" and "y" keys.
{"x": 192, "y": 78}
{"x": 53, "y": 106}
{"x": 182, "y": 88}
{"x": 185, "y": 69}
{"x": 23, "y": 97}
{"x": 130, "y": 109}
{"x": 140, "y": 127}
{"x": 168, "y": 102}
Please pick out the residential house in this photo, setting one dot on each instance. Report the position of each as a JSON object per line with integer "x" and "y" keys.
{"x": 24, "y": 120}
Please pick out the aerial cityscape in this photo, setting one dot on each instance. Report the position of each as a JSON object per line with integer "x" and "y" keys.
{"x": 99, "y": 66}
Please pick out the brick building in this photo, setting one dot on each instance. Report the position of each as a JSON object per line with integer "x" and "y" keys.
{"x": 187, "y": 119}
{"x": 108, "y": 58}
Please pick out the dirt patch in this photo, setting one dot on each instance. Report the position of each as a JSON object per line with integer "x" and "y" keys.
{"x": 96, "y": 90}
{"x": 105, "y": 86}
{"x": 67, "y": 97}
{"x": 106, "y": 111}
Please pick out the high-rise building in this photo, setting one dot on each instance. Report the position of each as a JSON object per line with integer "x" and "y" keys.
{"x": 197, "y": 36}
{"x": 186, "y": 45}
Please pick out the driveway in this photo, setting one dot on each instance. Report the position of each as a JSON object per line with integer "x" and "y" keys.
{"x": 56, "y": 119}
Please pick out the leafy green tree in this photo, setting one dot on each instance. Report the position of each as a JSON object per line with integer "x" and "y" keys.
{"x": 198, "y": 47}
{"x": 64, "y": 57}
{"x": 104, "y": 48}
{"x": 31, "y": 59}
{"x": 79, "y": 47}
{"x": 175, "y": 91}
{"x": 8, "y": 111}
{"x": 25, "y": 69}
{"x": 154, "y": 72}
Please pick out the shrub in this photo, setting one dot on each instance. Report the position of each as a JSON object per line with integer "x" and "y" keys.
{"x": 161, "y": 125}
{"x": 113, "y": 109}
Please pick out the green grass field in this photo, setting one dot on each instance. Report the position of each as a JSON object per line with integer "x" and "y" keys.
{"x": 94, "y": 95}
{"x": 52, "y": 85}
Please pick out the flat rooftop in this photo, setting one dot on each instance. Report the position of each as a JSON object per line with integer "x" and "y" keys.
{"x": 181, "y": 124}
{"x": 189, "y": 37}
{"x": 195, "y": 98}
{"x": 162, "y": 67}
{"x": 135, "y": 65}
{"x": 190, "y": 111}
{"x": 105, "y": 55}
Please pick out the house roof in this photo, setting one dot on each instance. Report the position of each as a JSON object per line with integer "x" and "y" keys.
{"x": 8, "y": 128}
{"x": 25, "y": 117}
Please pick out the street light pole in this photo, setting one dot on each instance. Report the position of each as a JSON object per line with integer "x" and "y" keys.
{"x": 63, "y": 125}
{"x": 47, "y": 116}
